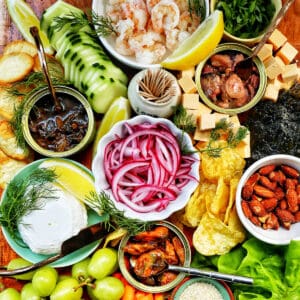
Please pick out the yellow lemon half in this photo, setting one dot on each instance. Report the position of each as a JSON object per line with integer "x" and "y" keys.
{"x": 71, "y": 177}
{"x": 118, "y": 111}
{"x": 24, "y": 17}
{"x": 199, "y": 45}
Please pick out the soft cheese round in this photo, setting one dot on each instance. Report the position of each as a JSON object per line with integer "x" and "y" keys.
{"x": 62, "y": 216}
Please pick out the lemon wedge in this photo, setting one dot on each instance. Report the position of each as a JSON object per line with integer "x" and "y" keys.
{"x": 119, "y": 110}
{"x": 71, "y": 176}
{"x": 199, "y": 45}
{"x": 24, "y": 17}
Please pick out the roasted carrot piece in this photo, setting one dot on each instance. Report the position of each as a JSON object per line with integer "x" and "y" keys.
{"x": 129, "y": 293}
{"x": 158, "y": 296}
{"x": 139, "y": 295}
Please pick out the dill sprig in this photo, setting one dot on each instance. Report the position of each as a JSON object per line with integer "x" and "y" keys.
{"x": 24, "y": 195}
{"x": 224, "y": 128}
{"x": 197, "y": 7}
{"x": 183, "y": 120}
{"x": 116, "y": 219}
{"x": 102, "y": 25}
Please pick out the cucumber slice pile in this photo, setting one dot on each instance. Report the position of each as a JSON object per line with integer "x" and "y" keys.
{"x": 86, "y": 64}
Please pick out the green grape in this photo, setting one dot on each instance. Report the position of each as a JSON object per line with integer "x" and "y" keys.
{"x": 10, "y": 294}
{"x": 44, "y": 280}
{"x": 62, "y": 277}
{"x": 67, "y": 289}
{"x": 90, "y": 291}
{"x": 108, "y": 288}
{"x": 17, "y": 263}
{"x": 29, "y": 293}
{"x": 80, "y": 270}
{"x": 103, "y": 263}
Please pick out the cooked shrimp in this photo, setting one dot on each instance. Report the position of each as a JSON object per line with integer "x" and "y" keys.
{"x": 125, "y": 30}
{"x": 158, "y": 233}
{"x": 165, "y": 15}
{"x": 188, "y": 22}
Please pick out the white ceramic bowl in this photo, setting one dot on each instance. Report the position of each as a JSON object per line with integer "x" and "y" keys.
{"x": 276, "y": 237}
{"x": 101, "y": 183}
{"x": 109, "y": 42}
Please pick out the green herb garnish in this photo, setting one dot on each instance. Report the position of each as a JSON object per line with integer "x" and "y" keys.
{"x": 246, "y": 18}
{"x": 183, "y": 120}
{"x": 116, "y": 218}
{"x": 102, "y": 25}
{"x": 197, "y": 7}
{"x": 24, "y": 195}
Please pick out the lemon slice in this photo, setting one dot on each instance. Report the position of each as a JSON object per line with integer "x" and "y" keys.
{"x": 118, "y": 111}
{"x": 199, "y": 45}
{"x": 71, "y": 176}
{"x": 24, "y": 18}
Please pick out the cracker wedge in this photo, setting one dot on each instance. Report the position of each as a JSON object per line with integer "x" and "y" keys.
{"x": 15, "y": 66}
{"x": 20, "y": 46}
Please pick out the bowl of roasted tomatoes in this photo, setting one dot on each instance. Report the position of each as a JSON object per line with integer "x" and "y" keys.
{"x": 267, "y": 199}
{"x": 222, "y": 88}
{"x": 144, "y": 257}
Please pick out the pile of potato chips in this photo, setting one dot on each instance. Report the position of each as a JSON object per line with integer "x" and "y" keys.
{"x": 211, "y": 208}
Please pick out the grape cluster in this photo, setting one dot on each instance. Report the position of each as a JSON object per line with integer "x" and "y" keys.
{"x": 93, "y": 273}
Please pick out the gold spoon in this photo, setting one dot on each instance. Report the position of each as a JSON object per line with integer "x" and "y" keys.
{"x": 244, "y": 68}
{"x": 35, "y": 33}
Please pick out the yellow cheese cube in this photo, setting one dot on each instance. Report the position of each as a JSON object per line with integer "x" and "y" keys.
{"x": 194, "y": 113}
{"x": 234, "y": 120}
{"x": 273, "y": 67}
{"x": 204, "y": 109}
{"x": 187, "y": 84}
{"x": 188, "y": 72}
{"x": 287, "y": 53}
{"x": 289, "y": 73}
{"x": 244, "y": 150}
{"x": 190, "y": 101}
{"x": 218, "y": 117}
{"x": 277, "y": 82}
{"x": 277, "y": 39}
{"x": 265, "y": 52}
{"x": 201, "y": 135}
{"x": 206, "y": 121}
{"x": 271, "y": 92}
{"x": 280, "y": 62}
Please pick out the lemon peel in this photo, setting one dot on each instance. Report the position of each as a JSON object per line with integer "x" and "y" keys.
{"x": 199, "y": 45}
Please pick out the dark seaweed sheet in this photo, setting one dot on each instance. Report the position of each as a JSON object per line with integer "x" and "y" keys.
{"x": 275, "y": 127}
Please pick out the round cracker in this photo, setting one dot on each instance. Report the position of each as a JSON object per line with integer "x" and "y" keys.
{"x": 20, "y": 46}
{"x": 15, "y": 66}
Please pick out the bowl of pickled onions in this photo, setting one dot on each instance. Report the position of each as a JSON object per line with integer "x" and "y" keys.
{"x": 147, "y": 166}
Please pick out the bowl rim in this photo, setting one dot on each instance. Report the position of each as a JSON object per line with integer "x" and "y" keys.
{"x": 97, "y": 6}
{"x": 231, "y": 46}
{"x": 166, "y": 287}
{"x": 248, "y": 41}
{"x": 35, "y": 97}
{"x": 274, "y": 237}
{"x": 100, "y": 178}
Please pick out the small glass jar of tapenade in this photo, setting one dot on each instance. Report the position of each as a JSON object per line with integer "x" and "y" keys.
{"x": 56, "y": 132}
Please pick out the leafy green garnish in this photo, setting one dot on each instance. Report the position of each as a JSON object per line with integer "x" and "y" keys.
{"x": 197, "y": 7}
{"x": 246, "y": 18}
{"x": 116, "y": 218}
{"x": 183, "y": 120}
{"x": 24, "y": 195}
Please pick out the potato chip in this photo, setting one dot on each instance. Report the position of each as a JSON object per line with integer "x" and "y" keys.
{"x": 228, "y": 165}
{"x": 234, "y": 221}
{"x": 232, "y": 194}
{"x": 220, "y": 200}
{"x": 213, "y": 237}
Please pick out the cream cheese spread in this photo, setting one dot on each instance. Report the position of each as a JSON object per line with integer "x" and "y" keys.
{"x": 60, "y": 217}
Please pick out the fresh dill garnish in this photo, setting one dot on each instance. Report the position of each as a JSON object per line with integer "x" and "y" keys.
{"x": 183, "y": 120}
{"x": 101, "y": 24}
{"x": 224, "y": 129}
{"x": 116, "y": 218}
{"x": 197, "y": 7}
{"x": 24, "y": 195}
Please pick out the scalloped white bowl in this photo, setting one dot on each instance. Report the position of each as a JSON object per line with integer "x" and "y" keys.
{"x": 276, "y": 237}
{"x": 101, "y": 183}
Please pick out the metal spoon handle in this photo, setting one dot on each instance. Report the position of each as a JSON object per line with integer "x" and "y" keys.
{"x": 212, "y": 274}
{"x": 273, "y": 25}
{"x": 41, "y": 53}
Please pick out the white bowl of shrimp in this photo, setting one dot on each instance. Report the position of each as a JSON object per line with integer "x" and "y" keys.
{"x": 147, "y": 31}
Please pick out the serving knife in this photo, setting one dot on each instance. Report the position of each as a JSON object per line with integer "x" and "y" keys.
{"x": 85, "y": 237}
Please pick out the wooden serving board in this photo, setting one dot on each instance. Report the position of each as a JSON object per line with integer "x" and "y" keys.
{"x": 290, "y": 26}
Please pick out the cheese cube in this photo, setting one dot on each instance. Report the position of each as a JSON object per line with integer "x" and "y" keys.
{"x": 265, "y": 52}
{"x": 287, "y": 53}
{"x": 194, "y": 113}
{"x": 244, "y": 150}
{"x": 218, "y": 117}
{"x": 201, "y": 135}
{"x": 277, "y": 39}
{"x": 206, "y": 121}
{"x": 289, "y": 73}
{"x": 190, "y": 101}
{"x": 204, "y": 109}
{"x": 271, "y": 92}
{"x": 280, "y": 62}
{"x": 273, "y": 68}
{"x": 298, "y": 74}
{"x": 201, "y": 145}
{"x": 234, "y": 120}
{"x": 188, "y": 72}
{"x": 187, "y": 84}
{"x": 277, "y": 82}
